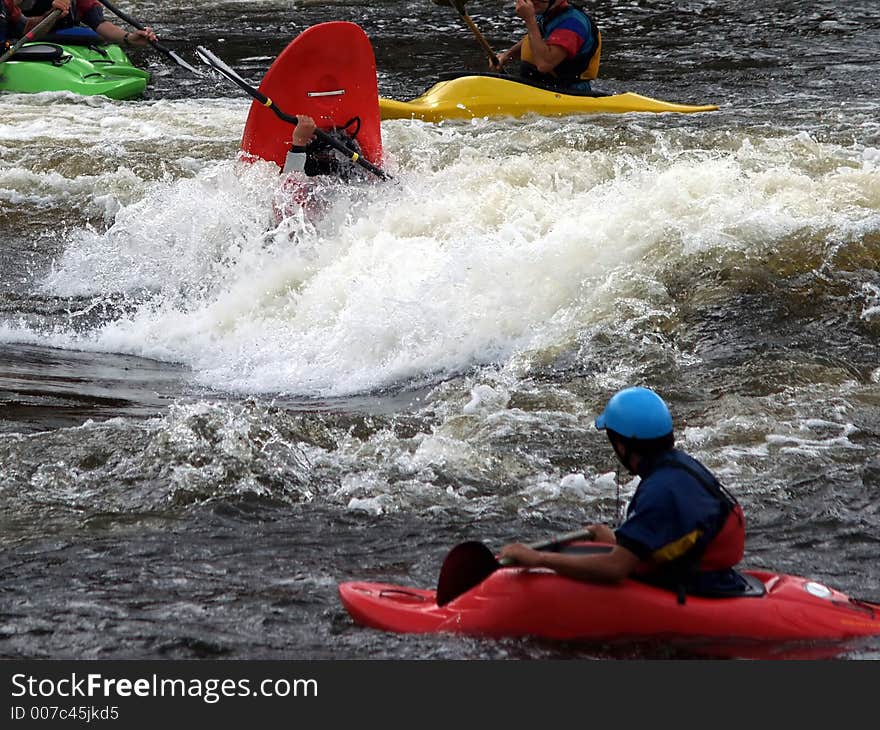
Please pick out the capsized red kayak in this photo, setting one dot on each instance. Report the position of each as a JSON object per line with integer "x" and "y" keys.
{"x": 519, "y": 602}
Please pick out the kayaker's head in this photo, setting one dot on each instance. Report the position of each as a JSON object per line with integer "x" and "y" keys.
{"x": 542, "y": 7}
{"x": 638, "y": 424}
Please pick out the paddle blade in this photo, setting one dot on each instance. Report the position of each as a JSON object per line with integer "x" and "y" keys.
{"x": 466, "y": 565}
{"x": 181, "y": 62}
{"x": 215, "y": 62}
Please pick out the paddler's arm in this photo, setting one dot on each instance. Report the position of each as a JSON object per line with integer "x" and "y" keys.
{"x": 547, "y": 57}
{"x": 303, "y": 133}
{"x": 112, "y": 33}
{"x": 611, "y": 567}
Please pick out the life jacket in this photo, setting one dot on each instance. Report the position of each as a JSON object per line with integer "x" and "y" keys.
{"x": 79, "y": 9}
{"x": 583, "y": 66}
{"x": 724, "y": 546}
{"x": 73, "y": 17}
{"x": 719, "y": 547}
{"x": 10, "y": 20}
{"x": 324, "y": 159}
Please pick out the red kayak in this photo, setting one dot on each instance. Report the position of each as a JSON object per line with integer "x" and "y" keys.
{"x": 519, "y": 602}
{"x": 328, "y": 72}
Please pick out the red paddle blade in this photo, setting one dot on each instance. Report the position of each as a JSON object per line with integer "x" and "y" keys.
{"x": 466, "y": 565}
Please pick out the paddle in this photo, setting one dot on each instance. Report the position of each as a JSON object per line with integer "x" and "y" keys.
{"x": 38, "y": 30}
{"x": 459, "y": 6}
{"x": 470, "y": 563}
{"x": 218, "y": 65}
{"x": 158, "y": 46}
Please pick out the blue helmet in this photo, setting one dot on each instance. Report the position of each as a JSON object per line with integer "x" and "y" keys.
{"x": 636, "y": 413}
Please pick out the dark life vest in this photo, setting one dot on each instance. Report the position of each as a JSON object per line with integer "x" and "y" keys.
{"x": 723, "y": 544}
{"x": 323, "y": 159}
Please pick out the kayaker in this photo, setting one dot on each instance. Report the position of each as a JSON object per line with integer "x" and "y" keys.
{"x": 91, "y": 13}
{"x": 14, "y": 23}
{"x": 312, "y": 156}
{"x": 683, "y": 530}
{"x": 309, "y": 157}
{"x": 561, "y": 47}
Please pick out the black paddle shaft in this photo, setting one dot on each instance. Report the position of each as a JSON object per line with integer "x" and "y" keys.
{"x": 158, "y": 46}
{"x": 132, "y": 22}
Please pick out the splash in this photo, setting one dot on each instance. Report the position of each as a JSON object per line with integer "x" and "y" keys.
{"x": 486, "y": 247}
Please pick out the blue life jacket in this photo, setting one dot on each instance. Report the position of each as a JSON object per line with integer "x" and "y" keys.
{"x": 721, "y": 546}
{"x": 93, "y": 15}
{"x": 707, "y": 567}
{"x": 584, "y": 65}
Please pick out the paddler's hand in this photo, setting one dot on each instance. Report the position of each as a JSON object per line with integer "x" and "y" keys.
{"x": 304, "y": 131}
{"x": 140, "y": 38}
{"x": 502, "y": 58}
{"x": 602, "y": 533}
{"x": 62, "y": 5}
{"x": 525, "y": 10}
{"x": 521, "y": 555}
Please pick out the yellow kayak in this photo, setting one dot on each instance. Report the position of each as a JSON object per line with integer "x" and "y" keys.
{"x": 489, "y": 95}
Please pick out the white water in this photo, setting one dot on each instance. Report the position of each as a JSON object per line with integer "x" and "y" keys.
{"x": 496, "y": 240}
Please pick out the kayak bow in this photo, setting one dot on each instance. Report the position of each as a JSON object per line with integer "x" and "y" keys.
{"x": 88, "y": 70}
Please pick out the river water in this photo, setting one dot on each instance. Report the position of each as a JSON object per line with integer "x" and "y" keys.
{"x": 209, "y": 421}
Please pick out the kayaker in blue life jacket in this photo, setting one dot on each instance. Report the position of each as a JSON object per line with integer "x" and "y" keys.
{"x": 683, "y": 530}
{"x": 14, "y": 23}
{"x": 561, "y": 48}
{"x": 91, "y": 13}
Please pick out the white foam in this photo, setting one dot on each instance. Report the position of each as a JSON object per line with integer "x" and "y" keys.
{"x": 485, "y": 247}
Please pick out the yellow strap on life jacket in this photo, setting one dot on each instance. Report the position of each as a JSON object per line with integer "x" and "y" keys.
{"x": 592, "y": 71}
{"x": 676, "y": 549}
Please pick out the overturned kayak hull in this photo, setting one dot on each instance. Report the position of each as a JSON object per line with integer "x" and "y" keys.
{"x": 467, "y": 97}
{"x": 85, "y": 70}
{"x": 517, "y": 602}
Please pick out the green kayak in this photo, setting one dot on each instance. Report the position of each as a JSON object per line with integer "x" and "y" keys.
{"x": 83, "y": 69}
